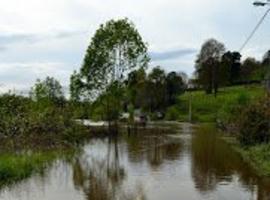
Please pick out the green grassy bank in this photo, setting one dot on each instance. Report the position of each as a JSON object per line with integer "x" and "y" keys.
{"x": 257, "y": 156}
{"x": 16, "y": 167}
{"x": 207, "y": 108}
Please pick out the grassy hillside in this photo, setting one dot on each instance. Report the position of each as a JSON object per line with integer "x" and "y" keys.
{"x": 206, "y": 108}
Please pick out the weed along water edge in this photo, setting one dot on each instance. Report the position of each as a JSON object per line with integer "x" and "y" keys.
{"x": 181, "y": 162}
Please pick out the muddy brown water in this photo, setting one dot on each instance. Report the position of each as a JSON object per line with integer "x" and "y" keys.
{"x": 182, "y": 162}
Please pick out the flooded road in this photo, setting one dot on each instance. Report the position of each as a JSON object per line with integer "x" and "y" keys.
{"x": 178, "y": 163}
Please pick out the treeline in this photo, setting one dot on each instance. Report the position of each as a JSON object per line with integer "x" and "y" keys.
{"x": 216, "y": 67}
{"x": 149, "y": 93}
{"x": 43, "y": 119}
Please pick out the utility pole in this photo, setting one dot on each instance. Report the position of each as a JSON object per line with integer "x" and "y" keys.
{"x": 190, "y": 106}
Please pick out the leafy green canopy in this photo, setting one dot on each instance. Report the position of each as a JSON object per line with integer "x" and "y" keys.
{"x": 49, "y": 89}
{"x": 115, "y": 50}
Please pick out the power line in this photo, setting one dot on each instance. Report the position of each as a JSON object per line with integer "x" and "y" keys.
{"x": 254, "y": 30}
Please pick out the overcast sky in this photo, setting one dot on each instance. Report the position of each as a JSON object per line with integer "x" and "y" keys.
{"x": 49, "y": 37}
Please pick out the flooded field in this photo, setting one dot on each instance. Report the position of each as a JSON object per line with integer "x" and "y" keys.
{"x": 180, "y": 162}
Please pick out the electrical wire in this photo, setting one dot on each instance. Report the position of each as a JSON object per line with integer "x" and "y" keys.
{"x": 254, "y": 30}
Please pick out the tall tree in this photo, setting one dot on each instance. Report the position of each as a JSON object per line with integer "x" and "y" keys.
{"x": 207, "y": 64}
{"x": 116, "y": 49}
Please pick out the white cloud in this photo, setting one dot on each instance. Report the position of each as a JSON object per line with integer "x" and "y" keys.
{"x": 62, "y": 29}
{"x": 21, "y": 76}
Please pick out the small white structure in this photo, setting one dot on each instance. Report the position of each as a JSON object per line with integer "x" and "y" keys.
{"x": 87, "y": 122}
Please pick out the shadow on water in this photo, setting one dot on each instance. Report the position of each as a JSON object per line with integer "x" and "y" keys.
{"x": 215, "y": 163}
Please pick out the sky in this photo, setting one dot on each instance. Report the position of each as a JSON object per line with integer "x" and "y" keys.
{"x": 49, "y": 38}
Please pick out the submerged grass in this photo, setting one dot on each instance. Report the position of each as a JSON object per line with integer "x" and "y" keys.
{"x": 258, "y": 156}
{"x": 16, "y": 167}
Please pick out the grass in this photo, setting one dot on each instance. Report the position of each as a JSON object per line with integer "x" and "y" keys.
{"x": 206, "y": 108}
{"x": 258, "y": 156}
{"x": 16, "y": 167}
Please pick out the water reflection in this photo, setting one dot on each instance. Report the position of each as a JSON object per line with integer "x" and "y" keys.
{"x": 214, "y": 163}
{"x": 154, "y": 147}
{"x": 102, "y": 177}
{"x": 154, "y": 164}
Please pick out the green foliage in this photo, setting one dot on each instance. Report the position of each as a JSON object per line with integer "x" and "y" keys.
{"x": 207, "y": 65}
{"x": 174, "y": 86}
{"x": 107, "y": 106}
{"x": 17, "y": 167}
{"x": 251, "y": 70}
{"x": 156, "y": 89}
{"x": 172, "y": 113}
{"x": 254, "y": 124}
{"x": 230, "y": 110}
{"x": 80, "y": 109}
{"x": 25, "y": 123}
{"x": 47, "y": 91}
{"x": 75, "y": 87}
{"x": 136, "y": 88}
{"x": 115, "y": 49}
{"x": 259, "y": 157}
{"x": 207, "y": 108}
{"x": 13, "y": 111}
{"x": 230, "y": 67}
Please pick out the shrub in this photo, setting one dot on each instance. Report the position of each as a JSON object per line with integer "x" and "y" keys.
{"x": 13, "y": 112}
{"x": 228, "y": 113}
{"x": 172, "y": 113}
{"x": 254, "y": 123}
{"x": 35, "y": 124}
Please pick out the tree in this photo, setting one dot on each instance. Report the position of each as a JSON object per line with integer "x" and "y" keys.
{"x": 207, "y": 65}
{"x": 266, "y": 58}
{"x": 174, "y": 86}
{"x": 251, "y": 70}
{"x": 49, "y": 90}
{"x": 156, "y": 89}
{"x": 266, "y": 66}
{"x": 136, "y": 83}
{"x": 230, "y": 67}
{"x": 116, "y": 49}
{"x": 75, "y": 87}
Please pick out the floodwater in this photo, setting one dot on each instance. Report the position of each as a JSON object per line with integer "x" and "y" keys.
{"x": 182, "y": 162}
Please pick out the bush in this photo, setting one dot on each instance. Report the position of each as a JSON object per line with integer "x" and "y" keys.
{"x": 254, "y": 123}
{"x": 229, "y": 111}
{"x": 35, "y": 124}
{"x": 13, "y": 112}
{"x": 172, "y": 113}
